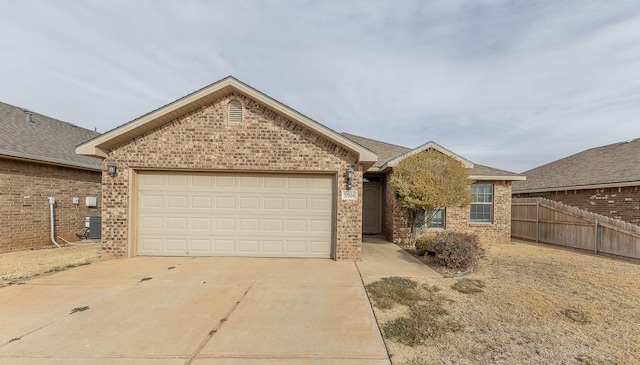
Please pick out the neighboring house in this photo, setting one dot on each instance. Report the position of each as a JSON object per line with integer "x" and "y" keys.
{"x": 38, "y": 161}
{"x": 603, "y": 180}
{"x": 229, "y": 171}
{"x": 489, "y": 215}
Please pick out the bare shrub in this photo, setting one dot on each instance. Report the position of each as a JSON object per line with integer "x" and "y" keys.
{"x": 456, "y": 250}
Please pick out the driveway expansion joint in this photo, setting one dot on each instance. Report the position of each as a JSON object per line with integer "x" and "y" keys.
{"x": 210, "y": 335}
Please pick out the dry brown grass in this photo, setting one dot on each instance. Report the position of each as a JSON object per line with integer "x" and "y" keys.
{"x": 16, "y": 267}
{"x": 539, "y": 305}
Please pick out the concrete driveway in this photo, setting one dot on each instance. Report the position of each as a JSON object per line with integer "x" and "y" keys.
{"x": 192, "y": 311}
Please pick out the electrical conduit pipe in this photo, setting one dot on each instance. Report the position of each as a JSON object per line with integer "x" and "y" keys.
{"x": 52, "y": 201}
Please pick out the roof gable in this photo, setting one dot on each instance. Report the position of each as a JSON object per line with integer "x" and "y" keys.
{"x": 617, "y": 164}
{"x": 390, "y": 154}
{"x": 427, "y": 146}
{"x": 30, "y": 136}
{"x": 101, "y": 145}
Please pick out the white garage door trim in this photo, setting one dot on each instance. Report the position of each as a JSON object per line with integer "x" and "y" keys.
{"x": 234, "y": 214}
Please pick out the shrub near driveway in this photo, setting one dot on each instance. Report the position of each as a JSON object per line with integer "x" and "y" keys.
{"x": 530, "y": 304}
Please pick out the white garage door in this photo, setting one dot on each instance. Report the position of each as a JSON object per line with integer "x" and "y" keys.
{"x": 219, "y": 214}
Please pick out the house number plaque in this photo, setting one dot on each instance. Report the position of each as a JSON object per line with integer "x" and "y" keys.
{"x": 349, "y": 194}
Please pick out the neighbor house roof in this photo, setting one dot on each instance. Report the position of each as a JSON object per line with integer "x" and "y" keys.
{"x": 30, "y": 136}
{"x": 390, "y": 154}
{"x": 101, "y": 145}
{"x": 613, "y": 165}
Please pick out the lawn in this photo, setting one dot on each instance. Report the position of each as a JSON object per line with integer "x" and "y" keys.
{"x": 525, "y": 304}
{"x": 16, "y": 267}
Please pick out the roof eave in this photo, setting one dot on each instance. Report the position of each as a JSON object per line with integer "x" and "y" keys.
{"x": 578, "y": 187}
{"x": 48, "y": 161}
{"x": 497, "y": 177}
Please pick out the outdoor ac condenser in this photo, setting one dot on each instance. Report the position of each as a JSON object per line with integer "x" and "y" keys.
{"x": 95, "y": 226}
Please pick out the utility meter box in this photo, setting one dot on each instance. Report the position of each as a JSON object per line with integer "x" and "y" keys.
{"x": 91, "y": 201}
{"x": 94, "y": 223}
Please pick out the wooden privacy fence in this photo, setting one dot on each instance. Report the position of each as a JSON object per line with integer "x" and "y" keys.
{"x": 548, "y": 221}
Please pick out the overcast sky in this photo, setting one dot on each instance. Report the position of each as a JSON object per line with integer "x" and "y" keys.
{"x": 509, "y": 84}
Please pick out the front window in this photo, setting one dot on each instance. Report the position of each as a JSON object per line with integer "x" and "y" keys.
{"x": 482, "y": 206}
{"x": 437, "y": 218}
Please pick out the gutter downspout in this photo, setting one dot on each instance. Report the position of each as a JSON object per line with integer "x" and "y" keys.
{"x": 52, "y": 201}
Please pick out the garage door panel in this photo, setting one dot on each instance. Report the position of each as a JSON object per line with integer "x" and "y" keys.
{"x": 177, "y": 201}
{"x": 320, "y": 205}
{"x": 225, "y": 245}
{"x": 225, "y": 181}
{"x": 151, "y": 244}
{"x": 201, "y": 245}
{"x": 248, "y": 246}
{"x": 321, "y": 185}
{"x": 201, "y": 224}
{"x": 248, "y": 181}
{"x": 273, "y": 203}
{"x": 319, "y": 226}
{"x": 249, "y": 202}
{"x": 152, "y": 201}
{"x": 273, "y": 246}
{"x": 177, "y": 245}
{"x": 274, "y": 182}
{"x": 151, "y": 223}
{"x": 178, "y": 180}
{"x": 225, "y": 202}
{"x": 199, "y": 214}
{"x": 319, "y": 246}
{"x": 176, "y": 223}
{"x": 296, "y": 246}
{"x": 149, "y": 181}
{"x": 202, "y": 181}
{"x": 225, "y": 224}
{"x": 297, "y": 204}
{"x": 272, "y": 225}
{"x": 249, "y": 225}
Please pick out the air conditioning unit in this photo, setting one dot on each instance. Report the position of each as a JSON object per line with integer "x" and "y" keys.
{"x": 94, "y": 223}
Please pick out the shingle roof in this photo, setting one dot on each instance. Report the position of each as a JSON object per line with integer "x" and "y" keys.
{"x": 486, "y": 171}
{"x": 611, "y": 165}
{"x": 43, "y": 139}
{"x": 387, "y": 152}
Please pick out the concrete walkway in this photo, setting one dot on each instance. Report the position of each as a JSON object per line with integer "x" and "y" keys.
{"x": 382, "y": 258}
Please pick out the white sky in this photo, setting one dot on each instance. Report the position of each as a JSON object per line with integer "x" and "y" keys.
{"x": 509, "y": 84}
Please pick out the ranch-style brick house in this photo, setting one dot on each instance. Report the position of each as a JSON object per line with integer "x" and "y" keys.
{"x": 229, "y": 171}
{"x": 38, "y": 161}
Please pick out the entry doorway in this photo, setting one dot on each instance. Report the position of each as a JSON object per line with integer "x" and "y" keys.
{"x": 372, "y": 205}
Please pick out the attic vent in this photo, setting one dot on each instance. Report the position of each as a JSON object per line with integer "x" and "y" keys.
{"x": 29, "y": 116}
{"x": 234, "y": 110}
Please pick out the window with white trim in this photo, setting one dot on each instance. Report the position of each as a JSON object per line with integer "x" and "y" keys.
{"x": 481, "y": 210}
{"x": 234, "y": 112}
{"x": 438, "y": 218}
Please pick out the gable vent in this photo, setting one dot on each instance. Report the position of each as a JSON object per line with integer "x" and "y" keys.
{"x": 234, "y": 110}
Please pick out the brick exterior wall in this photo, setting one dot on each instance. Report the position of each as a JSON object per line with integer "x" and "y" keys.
{"x": 619, "y": 203}
{"x": 25, "y": 223}
{"x": 457, "y": 219}
{"x": 203, "y": 140}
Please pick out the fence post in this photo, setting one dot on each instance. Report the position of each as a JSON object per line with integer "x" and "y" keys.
{"x": 595, "y": 244}
{"x": 538, "y": 221}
